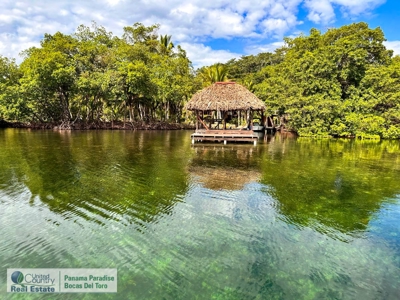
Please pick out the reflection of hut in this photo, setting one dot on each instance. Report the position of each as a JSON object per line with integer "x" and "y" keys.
{"x": 224, "y": 179}
{"x": 225, "y": 168}
{"x": 222, "y": 102}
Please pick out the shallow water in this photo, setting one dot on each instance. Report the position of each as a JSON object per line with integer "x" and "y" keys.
{"x": 287, "y": 219}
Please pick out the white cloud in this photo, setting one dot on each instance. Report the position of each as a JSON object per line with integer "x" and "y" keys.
{"x": 113, "y": 2}
{"x": 356, "y": 7}
{"x": 227, "y": 19}
{"x": 323, "y": 11}
{"x": 193, "y": 22}
{"x": 202, "y": 55}
{"x": 12, "y": 45}
{"x": 255, "y": 49}
{"x": 393, "y": 45}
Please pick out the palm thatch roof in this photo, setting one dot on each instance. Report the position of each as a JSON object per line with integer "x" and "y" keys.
{"x": 225, "y": 96}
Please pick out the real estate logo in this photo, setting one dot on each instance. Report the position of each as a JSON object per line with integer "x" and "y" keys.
{"x": 17, "y": 277}
{"x": 31, "y": 282}
{"x": 62, "y": 280}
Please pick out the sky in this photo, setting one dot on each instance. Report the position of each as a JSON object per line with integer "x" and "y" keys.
{"x": 209, "y": 30}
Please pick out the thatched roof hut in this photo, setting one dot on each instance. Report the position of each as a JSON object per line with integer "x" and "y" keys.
{"x": 225, "y": 96}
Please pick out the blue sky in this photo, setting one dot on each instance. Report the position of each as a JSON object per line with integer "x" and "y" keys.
{"x": 210, "y": 30}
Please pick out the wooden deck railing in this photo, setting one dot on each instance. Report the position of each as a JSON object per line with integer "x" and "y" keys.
{"x": 224, "y": 136}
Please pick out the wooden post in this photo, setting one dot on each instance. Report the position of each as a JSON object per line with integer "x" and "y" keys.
{"x": 197, "y": 121}
{"x": 225, "y": 115}
{"x": 263, "y": 119}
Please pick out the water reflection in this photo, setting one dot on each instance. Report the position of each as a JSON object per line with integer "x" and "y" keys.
{"x": 288, "y": 219}
{"x": 339, "y": 183}
{"x": 224, "y": 168}
{"x": 96, "y": 176}
{"x": 326, "y": 184}
{"x": 138, "y": 177}
{"x": 302, "y": 229}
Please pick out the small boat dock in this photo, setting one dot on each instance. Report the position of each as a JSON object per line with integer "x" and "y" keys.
{"x": 225, "y": 136}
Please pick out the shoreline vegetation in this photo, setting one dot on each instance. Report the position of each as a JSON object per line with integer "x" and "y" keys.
{"x": 116, "y": 125}
{"x": 340, "y": 83}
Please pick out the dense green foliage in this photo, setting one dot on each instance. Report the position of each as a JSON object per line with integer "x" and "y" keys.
{"x": 341, "y": 83}
{"x": 93, "y": 76}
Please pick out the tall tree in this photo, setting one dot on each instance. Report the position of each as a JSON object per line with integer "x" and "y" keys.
{"x": 165, "y": 45}
{"x": 49, "y": 79}
{"x": 12, "y": 105}
{"x": 320, "y": 74}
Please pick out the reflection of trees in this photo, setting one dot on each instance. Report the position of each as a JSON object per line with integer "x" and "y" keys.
{"x": 326, "y": 184}
{"x": 339, "y": 183}
{"x": 135, "y": 177}
{"x": 126, "y": 176}
{"x": 225, "y": 168}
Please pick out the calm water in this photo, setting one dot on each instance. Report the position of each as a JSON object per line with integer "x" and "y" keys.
{"x": 287, "y": 219}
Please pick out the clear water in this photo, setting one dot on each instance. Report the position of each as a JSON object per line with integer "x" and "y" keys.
{"x": 287, "y": 219}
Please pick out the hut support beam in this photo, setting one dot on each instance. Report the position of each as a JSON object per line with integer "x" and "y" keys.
{"x": 263, "y": 119}
{"x": 204, "y": 124}
{"x": 225, "y": 115}
{"x": 197, "y": 121}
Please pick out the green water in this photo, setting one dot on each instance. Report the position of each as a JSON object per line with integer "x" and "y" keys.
{"x": 287, "y": 219}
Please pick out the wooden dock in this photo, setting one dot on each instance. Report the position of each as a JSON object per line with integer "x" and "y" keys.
{"x": 225, "y": 136}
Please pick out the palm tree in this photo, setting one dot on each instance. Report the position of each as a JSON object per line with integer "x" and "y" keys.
{"x": 215, "y": 73}
{"x": 249, "y": 84}
{"x": 165, "y": 44}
